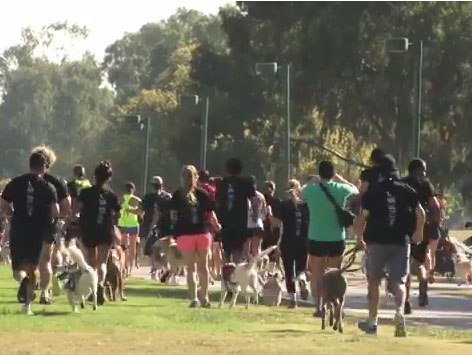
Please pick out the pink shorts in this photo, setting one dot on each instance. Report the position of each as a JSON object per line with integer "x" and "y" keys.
{"x": 194, "y": 242}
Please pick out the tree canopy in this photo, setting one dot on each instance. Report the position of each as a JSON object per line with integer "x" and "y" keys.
{"x": 348, "y": 92}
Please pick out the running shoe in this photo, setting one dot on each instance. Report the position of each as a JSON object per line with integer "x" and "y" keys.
{"x": 206, "y": 303}
{"x": 367, "y": 327}
{"x": 194, "y": 304}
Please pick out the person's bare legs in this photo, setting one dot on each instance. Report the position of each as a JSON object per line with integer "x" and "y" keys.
{"x": 132, "y": 251}
{"x": 217, "y": 259}
{"x": 432, "y": 247}
{"x": 102, "y": 257}
{"x": 190, "y": 261}
{"x": 317, "y": 267}
{"x": 373, "y": 291}
{"x": 256, "y": 243}
{"x": 201, "y": 257}
{"x": 45, "y": 271}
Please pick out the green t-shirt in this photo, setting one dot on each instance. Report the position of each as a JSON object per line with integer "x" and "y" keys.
{"x": 324, "y": 223}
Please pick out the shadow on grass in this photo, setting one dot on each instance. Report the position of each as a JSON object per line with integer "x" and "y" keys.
{"x": 53, "y": 313}
{"x": 285, "y": 331}
{"x": 166, "y": 292}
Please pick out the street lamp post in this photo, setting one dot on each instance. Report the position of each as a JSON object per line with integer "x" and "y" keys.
{"x": 273, "y": 68}
{"x": 402, "y": 45}
{"x": 195, "y": 100}
{"x": 144, "y": 124}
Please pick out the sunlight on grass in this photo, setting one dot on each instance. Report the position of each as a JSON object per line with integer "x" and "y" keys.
{"x": 156, "y": 319}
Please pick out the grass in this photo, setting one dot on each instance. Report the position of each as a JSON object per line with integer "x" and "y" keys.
{"x": 156, "y": 320}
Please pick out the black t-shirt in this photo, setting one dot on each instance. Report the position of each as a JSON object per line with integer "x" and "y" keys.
{"x": 295, "y": 220}
{"x": 232, "y": 201}
{"x": 98, "y": 206}
{"x": 423, "y": 187}
{"x": 159, "y": 201}
{"x": 274, "y": 203}
{"x": 60, "y": 186}
{"x": 373, "y": 175}
{"x": 391, "y": 207}
{"x": 32, "y": 197}
{"x": 191, "y": 215}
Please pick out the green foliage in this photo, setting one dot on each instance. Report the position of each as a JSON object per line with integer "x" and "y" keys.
{"x": 348, "y": 93}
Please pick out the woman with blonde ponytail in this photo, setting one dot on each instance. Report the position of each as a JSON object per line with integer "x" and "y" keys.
{"x": 192, "y": 212}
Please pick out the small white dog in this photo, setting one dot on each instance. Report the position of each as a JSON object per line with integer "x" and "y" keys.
{"x": 463, "y": 266}
{"x": 82, "y": 282}
{"x": 237, "y": 278}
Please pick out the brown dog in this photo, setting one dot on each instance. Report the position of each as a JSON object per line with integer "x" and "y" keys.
{"x": 115, "y": 274}
{"x": 333, "y": 293}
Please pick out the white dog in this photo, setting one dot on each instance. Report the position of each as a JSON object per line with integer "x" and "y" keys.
{"x": 463, "y": 266}
{"x": 82, "y": 282}
{"x": 237, "y": 278}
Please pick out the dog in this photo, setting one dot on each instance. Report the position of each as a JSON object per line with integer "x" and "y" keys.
{"x": 463, "y": 266}
{"x": 272, "y": 290}
{"x": 238, "y": 277}
{"x": 82, "y": 280}
{"x": 168, "y": 247}
{"x": 333, "y": 293}
{"x": 114, "y": 281}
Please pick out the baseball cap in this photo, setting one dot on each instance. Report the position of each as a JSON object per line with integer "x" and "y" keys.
{"x": 156, "y": 180}
{"x": 293, "y": 184}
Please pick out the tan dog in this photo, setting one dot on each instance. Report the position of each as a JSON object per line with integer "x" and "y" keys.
{"x": 115, "y": 274}
{"x": 168, "y": 247}
{"x": 272, "y": 290}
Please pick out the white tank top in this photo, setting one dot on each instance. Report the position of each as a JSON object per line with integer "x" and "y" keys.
{"x": 259, "y": 223}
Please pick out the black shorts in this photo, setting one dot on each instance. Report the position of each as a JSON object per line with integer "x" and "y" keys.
{"x": 432, "y": 231}
{"x": 233, "y": 239}
{"x": 255, "y": 232}
{"x": 25, "y": 249}
{"x": 326, "y": 249}
{"x": 419, "y": 251}
{"x": 94, "y": 238}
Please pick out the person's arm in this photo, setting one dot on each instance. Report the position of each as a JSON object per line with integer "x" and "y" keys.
{"x": 359, "y": 227}
{"x": 115, "y": 209}
{"x": 52, "y": 197}
{"x": 7, "y": 199}
{"x": 419, "y": 228}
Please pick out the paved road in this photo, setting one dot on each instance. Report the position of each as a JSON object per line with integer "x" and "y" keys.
{"x": 443, "y": 310}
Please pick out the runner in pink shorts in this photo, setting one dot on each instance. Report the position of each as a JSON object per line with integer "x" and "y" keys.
{"x": 192, "y": 211}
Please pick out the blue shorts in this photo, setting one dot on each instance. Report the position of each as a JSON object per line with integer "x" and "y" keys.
{"x": 129, "y": 230}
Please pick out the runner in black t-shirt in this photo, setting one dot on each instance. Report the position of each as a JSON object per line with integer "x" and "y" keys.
{"x": 192, "y": 211}
{"x": 386, "y": 224}
{"x": 49, "y": 247}
{"x": 232, "y": 198}
{"x": 99, "y": 212}
{"x": 271, "y": 225}
{"x": 424, "y": 253}
{"x": 33, "y": 202}
{"x": 294, "y": 217}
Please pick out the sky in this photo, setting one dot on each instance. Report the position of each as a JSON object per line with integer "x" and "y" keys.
{"x": 107, "y": 20}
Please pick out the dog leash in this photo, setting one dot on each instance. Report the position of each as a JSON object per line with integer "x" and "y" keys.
{"x": 352, "y": 258}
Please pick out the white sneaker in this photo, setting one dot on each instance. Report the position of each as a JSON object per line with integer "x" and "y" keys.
{"x": 26, "y": 309}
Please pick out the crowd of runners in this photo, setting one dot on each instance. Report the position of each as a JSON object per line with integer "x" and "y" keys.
{"x": 217, "y": 220}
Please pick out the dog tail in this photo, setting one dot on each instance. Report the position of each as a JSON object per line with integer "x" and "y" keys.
{"x": 78, "y": 257}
